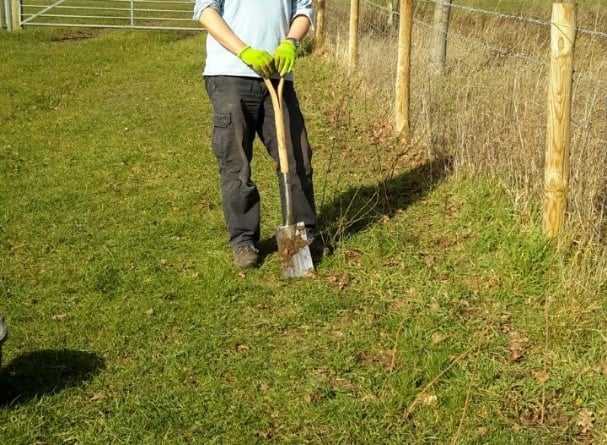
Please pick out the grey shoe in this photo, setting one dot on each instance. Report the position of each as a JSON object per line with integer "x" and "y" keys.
{"x": 246, "y": 257}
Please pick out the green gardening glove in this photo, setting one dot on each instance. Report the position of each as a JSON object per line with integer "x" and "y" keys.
{"x": 284, "y": 57}
{"x": 259, "y": 60}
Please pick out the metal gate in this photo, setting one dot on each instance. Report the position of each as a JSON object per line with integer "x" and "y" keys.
{"x": 129, "y": 14}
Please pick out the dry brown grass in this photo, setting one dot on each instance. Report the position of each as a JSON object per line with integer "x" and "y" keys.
{"x": 489, "y": 110}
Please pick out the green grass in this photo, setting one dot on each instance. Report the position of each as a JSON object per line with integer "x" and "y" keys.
{"x": 441, "y": 318}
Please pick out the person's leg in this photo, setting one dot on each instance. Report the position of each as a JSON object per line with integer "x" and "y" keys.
{"x": 235, "y": 108}
{"x": 300, "y": 155}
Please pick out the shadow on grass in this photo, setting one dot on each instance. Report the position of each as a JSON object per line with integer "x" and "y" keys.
{"x": 45, "y": 372}
{"x": 360, "y": 207}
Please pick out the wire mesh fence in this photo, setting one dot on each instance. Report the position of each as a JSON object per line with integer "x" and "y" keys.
{"x": 488, "y": 110}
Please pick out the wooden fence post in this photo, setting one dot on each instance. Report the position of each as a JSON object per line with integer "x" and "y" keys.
{"x": 558, "y": 134}
{"x": 15, "y": 19}
{"x": 3, "y": 23}
{"x": 403, "y": 69}
{"x": 353, "y": 38}
{"x": 442, "y": 10}
{"x": 320, "y": 22}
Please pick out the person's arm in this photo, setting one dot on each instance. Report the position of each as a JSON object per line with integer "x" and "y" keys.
{"x": 259, "y": 60}
{"x": 219, "y": 29}
{"x": 285, "y": 54}
{"x": 299, "y": 28}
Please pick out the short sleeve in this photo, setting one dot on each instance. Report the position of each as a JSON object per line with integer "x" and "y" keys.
{"x": 201, "y": 5}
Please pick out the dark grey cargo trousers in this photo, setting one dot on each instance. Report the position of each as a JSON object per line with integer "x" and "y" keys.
{"x": 242, "y": 108}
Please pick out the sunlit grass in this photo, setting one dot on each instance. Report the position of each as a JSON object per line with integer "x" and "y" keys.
{"x": 442, "y": 317}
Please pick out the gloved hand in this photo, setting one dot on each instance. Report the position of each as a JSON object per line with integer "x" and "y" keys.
{"x": 259, "y": 60}
{"x": 284, "y": 57}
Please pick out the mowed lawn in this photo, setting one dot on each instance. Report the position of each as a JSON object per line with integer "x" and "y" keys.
{"x": 440, "y": 317}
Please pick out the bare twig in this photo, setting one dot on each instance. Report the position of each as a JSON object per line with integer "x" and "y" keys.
{"x": 460, "y": 427}
{"x": 393, "y": 359}
{"x": 454, "y": 362}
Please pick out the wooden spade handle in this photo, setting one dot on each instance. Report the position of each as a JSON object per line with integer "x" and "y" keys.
{"x": 281, "y": 135}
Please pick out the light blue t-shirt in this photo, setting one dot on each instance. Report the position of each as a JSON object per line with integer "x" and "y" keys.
{"x": 262, "y": 24}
